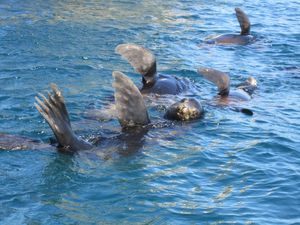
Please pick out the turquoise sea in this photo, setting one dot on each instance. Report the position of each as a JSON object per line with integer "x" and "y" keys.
{"x": 228, "y": 168}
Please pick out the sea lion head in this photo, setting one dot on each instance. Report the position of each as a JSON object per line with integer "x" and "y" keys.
{"x": 186, "y": 109}
{"x": 249, "y": 86}
{"x": 252, "y": 81}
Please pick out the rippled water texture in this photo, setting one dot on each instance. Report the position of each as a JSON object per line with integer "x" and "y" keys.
{"x": 226, "y": 168}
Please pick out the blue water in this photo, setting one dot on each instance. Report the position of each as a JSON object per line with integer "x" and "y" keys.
{"x": 226, "y": 168}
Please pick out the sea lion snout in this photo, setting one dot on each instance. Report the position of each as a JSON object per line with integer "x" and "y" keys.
{"x": 252, "y": 81}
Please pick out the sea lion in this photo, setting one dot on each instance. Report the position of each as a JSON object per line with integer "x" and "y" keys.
{"x": 243, "y": 91}
{"x": 131, "y": 112}
{"x": 240, "y": 39}
{"x": 136, "y": 114}
{"x": 144, "y": 62}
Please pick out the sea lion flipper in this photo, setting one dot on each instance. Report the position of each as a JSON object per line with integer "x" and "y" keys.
{"x": 129, "y": 102}
{"x": 221, "y": 79}
{"x": 140, "y": 58}
{"x": 59, "y": 100}
{"x": 243, "y": 21}
{"x": 246, "y": 111}
{"x": 54, "y": 111}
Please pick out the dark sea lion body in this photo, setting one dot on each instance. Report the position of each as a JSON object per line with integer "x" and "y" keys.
{"x": 144, "y": 62}
{"x": 240, "y": 39}
{"x": 165, "y": 84}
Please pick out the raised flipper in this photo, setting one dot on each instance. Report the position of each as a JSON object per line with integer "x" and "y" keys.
{"x": 129, "y": 102}
{"x": 54, "y": 111}
{"x": 141, "y": 59}
{"x": 219, "y": 78}
{"x": 243, "y": 20}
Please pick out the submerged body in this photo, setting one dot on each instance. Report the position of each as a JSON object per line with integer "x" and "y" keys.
{"x": 240, "y": 39}
{"x": 233, "y": 97}
{"x": 14, "y": 142}
{"x": 231, "y": 39}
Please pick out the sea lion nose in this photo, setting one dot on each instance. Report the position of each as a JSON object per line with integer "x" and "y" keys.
{"x": 252, "y": 81}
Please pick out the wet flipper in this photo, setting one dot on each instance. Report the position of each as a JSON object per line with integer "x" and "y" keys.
{"x": 246, "y": 111}
{"x": 54, "y": 111}
{"x": 243, "y": 21}
{"x": 219, "y": 78}
{"x": 129, "y": 102}
{"x": 141, "y": 59}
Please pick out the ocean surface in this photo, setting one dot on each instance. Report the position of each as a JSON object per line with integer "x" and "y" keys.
{"x": 227, "y": 168}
